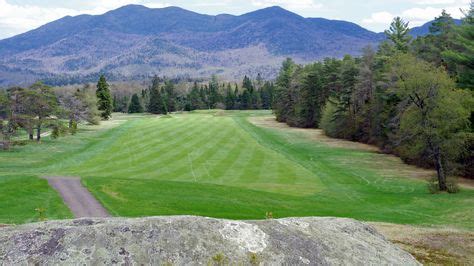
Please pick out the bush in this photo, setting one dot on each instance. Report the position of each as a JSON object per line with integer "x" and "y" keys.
{"x": 433, "y": 186}
{"x": 327, "y": 122}
{"x": 73, "y": 127}
{"x": 58, "y": 130}
{"x": 451, "y": 183}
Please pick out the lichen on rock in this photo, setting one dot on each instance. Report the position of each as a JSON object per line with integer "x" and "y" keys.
{"x": 189, "y": 240}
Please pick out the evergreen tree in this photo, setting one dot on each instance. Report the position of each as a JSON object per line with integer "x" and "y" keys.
{"x": 104, "y": 99}
{"x": 267, "y": 95}
{"x": 461, "y": 54}
{"x": 440, "y": 39}
{"x": 135, "y": 105}
{"x": 213, "y": 92}
{"x": 230, "y": 98}
{"x": 170, "y": 96}
{"x": 156, "y": 104}
{"x": 399, "y": 34}
{"x": 283, "y": 99}
{"x": 248, "y": 100}
{"x": 193, "y": 99}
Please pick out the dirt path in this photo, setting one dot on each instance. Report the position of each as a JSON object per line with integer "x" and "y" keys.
{"x": 77, "y": 197}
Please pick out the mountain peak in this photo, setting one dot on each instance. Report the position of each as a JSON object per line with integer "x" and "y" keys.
{"x": 273, "y": 11}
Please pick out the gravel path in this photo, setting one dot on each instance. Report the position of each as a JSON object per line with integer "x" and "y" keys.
{"x": 77, "y": 197}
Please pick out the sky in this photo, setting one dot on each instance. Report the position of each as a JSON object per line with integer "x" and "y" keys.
{"x": 18, "y": 16}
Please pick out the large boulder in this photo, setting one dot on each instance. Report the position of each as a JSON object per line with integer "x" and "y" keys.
{"x": 185, "y": 240}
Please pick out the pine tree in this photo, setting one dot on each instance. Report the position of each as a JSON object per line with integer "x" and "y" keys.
{"x": 156, "y": 104}
{"x": 248, "y": 95}
{"x": 282, "y": 97}
{"x": 104, "y": 98}
{"x": 135, "y": 105}
{"x": 462, "y": 52}
{"x": 213, "y": 92}
{"x": 399, "y": 34}
{"x": 229, "y": 98}
{"x": 170, "y": 96}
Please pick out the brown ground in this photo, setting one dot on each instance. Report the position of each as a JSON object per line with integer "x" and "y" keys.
{"x": 432, "y": 246}
{"x": 392, "y": 165}
{"x": 77, "y": 197}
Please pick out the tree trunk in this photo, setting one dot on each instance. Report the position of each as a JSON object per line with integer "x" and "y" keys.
{"x": 30, "y": 135}
{"x": 440, "y": 172}
{"x": 70, "y": 123}
{"x": 38, "y": 133}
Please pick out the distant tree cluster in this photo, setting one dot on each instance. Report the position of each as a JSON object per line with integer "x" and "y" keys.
{"x": 37, "y": 107}
{"x": 411, "y": 97}
{"x": 163, "y": 96}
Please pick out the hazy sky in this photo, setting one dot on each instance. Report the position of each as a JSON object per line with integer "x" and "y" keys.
{"x": 17, "y": 16}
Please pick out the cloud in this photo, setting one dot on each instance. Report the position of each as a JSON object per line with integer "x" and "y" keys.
{"x": 379, "y": 18}
{"x": 417, "y": 16}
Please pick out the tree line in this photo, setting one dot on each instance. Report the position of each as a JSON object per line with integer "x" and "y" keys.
{"x": 162, "y": 96}
{"x": 413, "y": 98}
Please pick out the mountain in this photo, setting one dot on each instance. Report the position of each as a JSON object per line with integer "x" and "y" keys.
{"x": 425, "y": 28}
{"x": 135, "y": 42}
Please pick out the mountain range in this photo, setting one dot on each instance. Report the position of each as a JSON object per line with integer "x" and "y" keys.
{"x": 136, "y": 42}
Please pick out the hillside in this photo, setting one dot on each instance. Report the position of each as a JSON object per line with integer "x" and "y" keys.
{"x": 136, "y": 42}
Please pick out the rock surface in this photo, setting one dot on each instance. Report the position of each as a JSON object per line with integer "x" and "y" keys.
{"x": 188, "y": 240}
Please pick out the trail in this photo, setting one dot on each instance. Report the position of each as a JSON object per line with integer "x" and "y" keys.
{"x": 79, "y": 200}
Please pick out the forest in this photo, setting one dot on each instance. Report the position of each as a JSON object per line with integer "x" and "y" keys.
{"x": 410, "y": 97}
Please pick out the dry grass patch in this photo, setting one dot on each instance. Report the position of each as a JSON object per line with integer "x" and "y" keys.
{"x": 432, "y": 246}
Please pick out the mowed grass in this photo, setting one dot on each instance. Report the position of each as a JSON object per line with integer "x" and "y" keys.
{"x": 218, "y": 164}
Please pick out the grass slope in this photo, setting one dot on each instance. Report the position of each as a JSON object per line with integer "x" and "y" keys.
{"x": 218, "y": 164}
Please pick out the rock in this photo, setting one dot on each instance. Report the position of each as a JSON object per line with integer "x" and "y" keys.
{"x": 189, "y": 240}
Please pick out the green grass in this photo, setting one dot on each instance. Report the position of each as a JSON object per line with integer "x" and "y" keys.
{"x": 218, "y": 164}
{"x": 21, "y": 195}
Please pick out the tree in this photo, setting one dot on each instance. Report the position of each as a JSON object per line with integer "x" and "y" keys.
{"x": 21, "y": 104}
{"x": 441, "y": 37}
{"x": 104, "y": 99}
{"x": 230, "y": 98}
{"x": 44, "y": 106}
{"x": 283, "y": 99}
{"x": 156, "y": 105}
{"x": 248, "y": 100}
{"x": 169, "y": 96}
{"x": 213, "y": 92}
{"x": 399, "y": 34}
{"x": 79, "y": 106}
{"x": 7, "y": 125}
{"x": 193, "y": 99}
{"x": 461, "y": 53}
{"x": 435, "y": 114}
{"x": 267, "y": 95}
{"x": 135, "y": 105}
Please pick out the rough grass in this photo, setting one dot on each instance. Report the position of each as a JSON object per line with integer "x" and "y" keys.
{"x": 219, "y": 164}
{"x": 432, "y": 246}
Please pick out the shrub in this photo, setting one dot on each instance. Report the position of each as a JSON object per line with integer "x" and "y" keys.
{"x": 59, "y": 130}
{"x": 451, "y": 183}
{"x": 269, "y": 215}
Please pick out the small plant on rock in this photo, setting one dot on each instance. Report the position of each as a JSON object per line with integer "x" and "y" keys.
{"x": 41, "y": 214}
